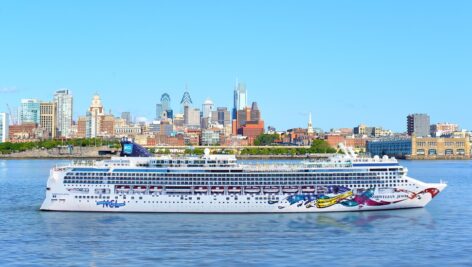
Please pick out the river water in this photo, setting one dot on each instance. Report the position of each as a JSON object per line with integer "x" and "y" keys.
{"x": 439, "y": 235}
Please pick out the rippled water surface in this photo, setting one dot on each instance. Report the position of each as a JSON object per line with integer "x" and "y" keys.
{"x": 439, "y": 235}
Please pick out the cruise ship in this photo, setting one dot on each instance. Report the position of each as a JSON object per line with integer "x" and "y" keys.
{"x": 138, "y": 182}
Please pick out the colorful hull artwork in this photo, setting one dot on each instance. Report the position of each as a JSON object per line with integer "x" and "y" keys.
{"x": 334, "y": 195}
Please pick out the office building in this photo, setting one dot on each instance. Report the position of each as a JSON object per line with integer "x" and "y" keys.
{"x": 163, "y": 109}
{"x": 48, "y": 121}
{"x": 64, "y": 106}
{"x": 192, "y": 117}
{"x": 95, "y": 112}
{"x": 4, "y": 127}
{"x": 249, "y": 123}
{"x": 186, "y": 101}
{"x": 240, "y": 99}
{"x": 207, "y": 109}
{"x": 418, "y": 124}
{"x": 392, "y": 147}
{"x": 443, "y": 129}
{"x": 222, "y": 116}
{"x": 126, "y": 116}
{"x": 29, "y": 111}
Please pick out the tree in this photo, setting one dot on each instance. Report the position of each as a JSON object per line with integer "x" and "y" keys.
{"x": 266, "y": 139}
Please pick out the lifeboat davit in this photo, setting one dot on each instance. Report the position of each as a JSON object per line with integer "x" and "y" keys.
{"x": 200, "y": 189}
{"x": 217, "y": 190}
{"x": 308, "y": 189}
{"x": 271, "y": 189}
{"x": 155, "y": 189}
{"x": 122, "y": 189}
{"x": 290, "y": 189}
{"x": 139, "y": 189}
{"x": 252, "y": 190}
{"x": 234, "y": 190}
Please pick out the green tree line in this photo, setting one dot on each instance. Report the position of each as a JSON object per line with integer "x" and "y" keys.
{"x": 8, "y": 148}
{"x": 318, "y": 147}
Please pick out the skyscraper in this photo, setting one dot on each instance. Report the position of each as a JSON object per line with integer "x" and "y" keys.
{"x": 96, "y": 110}
{"x": 192, "y": 117}
{"x": 164, "y": 106}
{"x": 222, "y": 116}
{"x": 4, "y": 127}
{"x": 29, "y": 111}
{"x": 64, "y": 105}
{"x": 418, "y": 124}
{"x": 240, "y": 99}
{"x": 186, "y": 101}
{"x": 48, "y": 117}
{"x": 207, "y": 108}
{"x": 127, "y": 117}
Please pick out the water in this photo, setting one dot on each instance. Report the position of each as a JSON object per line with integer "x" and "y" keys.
{"x": 439, "y": 235}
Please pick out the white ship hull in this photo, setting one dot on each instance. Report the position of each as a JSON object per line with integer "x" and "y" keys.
{"x": 141, "y": 203}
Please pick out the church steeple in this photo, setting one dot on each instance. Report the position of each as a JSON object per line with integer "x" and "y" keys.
{"x": 310, "y": 125}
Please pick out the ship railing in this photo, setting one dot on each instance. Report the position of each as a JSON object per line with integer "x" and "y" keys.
{"x": 294, "y": 167}
{"x": 78, "y": 163}
{"x": 273, "y": 167}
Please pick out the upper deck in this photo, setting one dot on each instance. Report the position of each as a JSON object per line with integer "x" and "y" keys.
{"x": 229, "y": 163}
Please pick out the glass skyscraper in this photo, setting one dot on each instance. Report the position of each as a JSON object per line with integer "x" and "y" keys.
{"x": 164, "y": 106}
{"x": 64, "y": 105}
{"x": 29, "y": 111}
{"x": 240, "y": 99}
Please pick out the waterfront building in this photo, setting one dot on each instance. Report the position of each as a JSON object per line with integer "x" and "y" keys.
{"x": 4, "y": 127}
{"x": 186, "y": 101}
{"x": 29, "y": 111}
{"x": 240, "y": 99}
{"x": 392, "y": 147}
{"x": 418, "y": 124}
{"x": 444, "y": 129}
{"x": 48, "y": 119}
{"x": 127, "y": 117}
{"x": 440, "y": 148}
{"x": 64, "y": 111}
{"x": 23, "y": 132}
{"x": 422, "y": 147}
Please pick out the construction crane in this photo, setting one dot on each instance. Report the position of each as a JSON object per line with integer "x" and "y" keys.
{"x": 12, "y": 122}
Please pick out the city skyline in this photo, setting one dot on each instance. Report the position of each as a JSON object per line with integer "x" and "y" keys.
{"x": 344, "y": 69}
{"x": 175, "y": 107}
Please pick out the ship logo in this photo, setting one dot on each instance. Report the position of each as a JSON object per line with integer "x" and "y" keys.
{"x": 110, "y": 204}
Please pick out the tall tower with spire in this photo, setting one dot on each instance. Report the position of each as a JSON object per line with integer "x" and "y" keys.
{"x": 310, "y": 125}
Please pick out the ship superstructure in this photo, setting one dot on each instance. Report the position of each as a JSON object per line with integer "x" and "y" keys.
{"x": 137, "y": 182}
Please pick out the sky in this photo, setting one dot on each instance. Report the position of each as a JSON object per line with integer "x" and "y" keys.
{"x": 347, "y": 62}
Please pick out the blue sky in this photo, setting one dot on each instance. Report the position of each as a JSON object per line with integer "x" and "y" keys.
{"x": 347, "y": 62}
